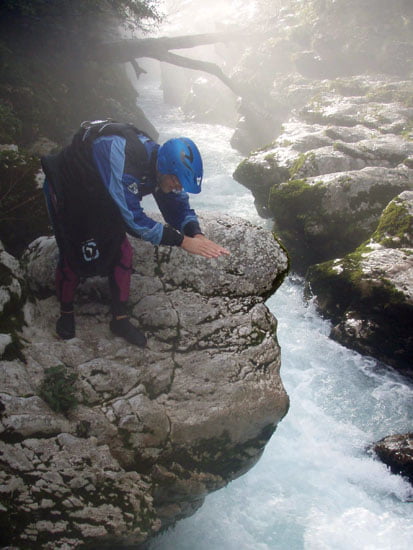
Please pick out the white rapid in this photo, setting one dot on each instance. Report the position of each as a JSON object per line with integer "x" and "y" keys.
{"x": 316, "y": 486}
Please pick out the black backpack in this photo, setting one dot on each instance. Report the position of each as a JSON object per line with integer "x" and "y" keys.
{"x": 87, "y": 222}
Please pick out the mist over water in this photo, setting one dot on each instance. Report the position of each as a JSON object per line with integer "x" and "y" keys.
{"x": 219, "y": 191}
{"x": 316, "y": 486}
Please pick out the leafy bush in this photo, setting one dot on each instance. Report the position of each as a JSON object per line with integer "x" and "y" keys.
{"x": 131, "y": 13}
{"x": 23, "y": 214}
{"x": 57, "y": 389}
{"x": 10, "y": 125}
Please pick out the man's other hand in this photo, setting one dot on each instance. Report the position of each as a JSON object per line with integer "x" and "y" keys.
{"x": 202, "y": 246}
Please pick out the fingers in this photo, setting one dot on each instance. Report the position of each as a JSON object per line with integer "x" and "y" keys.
{"x": 216, "y": 247}
{"x": 203, "y": 247}
{"x": 209, "y": 252}
{"x": 209, "y": 249}
{"x": 214, "y": 250}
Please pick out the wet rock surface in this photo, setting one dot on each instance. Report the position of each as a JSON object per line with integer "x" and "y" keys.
{"x": 397, "y": 452}
{"x": 338, "y": 162}
{"x": 328, "y": 181}
{"x": 154, "y": 430}
{"x": 369, "y": 293}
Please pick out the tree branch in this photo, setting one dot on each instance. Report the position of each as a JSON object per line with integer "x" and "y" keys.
{"x": 198, "y": 65}
{"x": 122, "y": 51}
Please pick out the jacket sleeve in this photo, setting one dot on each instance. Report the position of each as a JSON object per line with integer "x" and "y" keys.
{"x": 109, "y": 156}
{"x": 176, "y": 211}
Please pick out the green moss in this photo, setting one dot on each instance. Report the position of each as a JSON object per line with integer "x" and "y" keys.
{"x": 341, "y": 285}
{"x": 299, "y": 163}
{"x": 297, "y": 210}
{"x": 57, "y": 389}
{"x": 395, "y": 228}
{"x": 248, "y": 172}
{"x": 296, "y": 199}
{"x": 260, "y": 179}
{"x": 381, "y": 311}
{"x": 313, "y": 234}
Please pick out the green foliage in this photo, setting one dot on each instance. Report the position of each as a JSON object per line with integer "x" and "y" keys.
{"x": 50, "y": 79}
{"x": 57, "y": 389}
{"x": 23, "y": 214}
{"x": 359, "y": 12}
{"x": 132, "y": 13}
{"x": 10, "y": 125}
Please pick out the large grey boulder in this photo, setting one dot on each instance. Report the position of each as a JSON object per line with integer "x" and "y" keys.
{"x": 338, "y": 162}
{"x": 326, "y": 216}
{"x": 155, "y": 430}
{"x": 369, "y": 293}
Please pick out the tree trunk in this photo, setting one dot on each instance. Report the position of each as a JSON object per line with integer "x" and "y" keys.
{"x": 123, "y": 51}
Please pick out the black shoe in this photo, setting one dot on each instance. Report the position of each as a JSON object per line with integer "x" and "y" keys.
{"x": 65, "y": 326}
{"x": 125, "y": 329}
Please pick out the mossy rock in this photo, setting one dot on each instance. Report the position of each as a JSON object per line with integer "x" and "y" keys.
{"x": 303, "y": 159}
{"x": 370, "y": 313}
{"x": 325, "y": 217}
{"x": 369, "y": 301}
{"x": 302, "y": 223}
{"x": 259, "y": 176}
{"x": 395, "y": 227}
{"x": 341, "y": 283}
{"x": 23, "y": 213}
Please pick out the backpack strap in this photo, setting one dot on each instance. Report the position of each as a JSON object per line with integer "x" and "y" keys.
{"x": 91, "y": 130}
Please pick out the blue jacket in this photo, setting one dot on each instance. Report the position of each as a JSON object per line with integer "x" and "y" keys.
{"x": 129, "y": 176}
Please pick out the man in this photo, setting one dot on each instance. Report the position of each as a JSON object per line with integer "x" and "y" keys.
{"x": 94, "y": 189}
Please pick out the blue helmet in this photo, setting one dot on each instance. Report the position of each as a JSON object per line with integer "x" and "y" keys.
{"x": 181, "y": 157}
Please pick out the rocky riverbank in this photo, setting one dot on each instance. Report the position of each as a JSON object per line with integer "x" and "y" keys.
{"x": 102, "y": 443}
{"x": 338, "y": 184}
{"x": 328, "y": 181}
{"x": 369, "y": 293}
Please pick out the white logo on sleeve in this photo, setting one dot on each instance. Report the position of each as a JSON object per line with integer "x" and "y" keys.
{"x": 133, "y": 188}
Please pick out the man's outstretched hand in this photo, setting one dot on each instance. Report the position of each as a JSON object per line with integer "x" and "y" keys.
{"x": 202, "y": 246}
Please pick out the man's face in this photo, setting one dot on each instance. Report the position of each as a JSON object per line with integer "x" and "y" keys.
{"x": 169, "y": 182}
